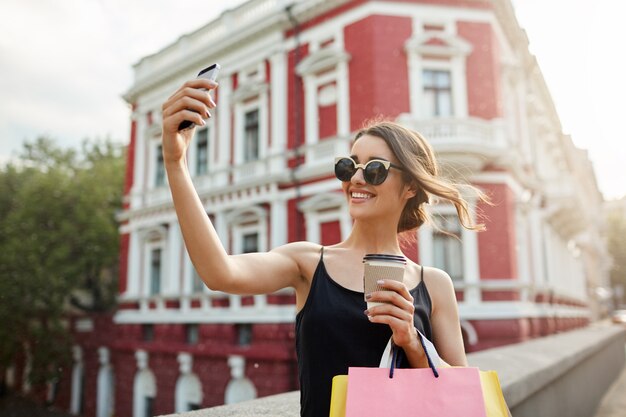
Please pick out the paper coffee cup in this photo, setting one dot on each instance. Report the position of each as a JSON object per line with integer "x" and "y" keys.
{"x": 377, "y": 266}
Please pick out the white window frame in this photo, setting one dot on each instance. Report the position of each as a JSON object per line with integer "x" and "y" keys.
{"x": 332, "y": 62}
{"x": 323, "y": 208}
{"x": 241, "y": 109}
{"x": 152, "y": 157}
{"x": 469, "y": 241}
{"x": 251, "y": 94}
{"x": 238, "y": 221}
{"x": 192, "y": 157}
{"x": 155, "y": 238}
{"x": 430, "y": 65}
{"x": 453, "y": 58}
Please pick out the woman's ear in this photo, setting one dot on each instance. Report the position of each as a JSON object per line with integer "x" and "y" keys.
{"x": 410, "y": 191}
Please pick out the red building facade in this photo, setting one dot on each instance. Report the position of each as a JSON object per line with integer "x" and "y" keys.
{"x": 292, "y": 93}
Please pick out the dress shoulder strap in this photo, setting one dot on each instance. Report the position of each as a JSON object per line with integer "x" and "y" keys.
{"x": 322, "y": 253}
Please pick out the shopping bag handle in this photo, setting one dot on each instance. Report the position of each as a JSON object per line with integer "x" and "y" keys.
{"x": 390, "y": 355}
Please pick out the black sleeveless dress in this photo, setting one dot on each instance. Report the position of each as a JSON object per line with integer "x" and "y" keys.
{"x": 333, "y": 333}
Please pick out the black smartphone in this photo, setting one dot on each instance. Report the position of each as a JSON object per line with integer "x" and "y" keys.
{"x": 210, "y": 73}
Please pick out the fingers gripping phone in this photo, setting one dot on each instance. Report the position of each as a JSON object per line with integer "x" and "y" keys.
{"x": 210, "y": 73}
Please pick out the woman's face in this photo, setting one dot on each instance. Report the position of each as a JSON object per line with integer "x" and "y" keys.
{"x": 375, "y": 201}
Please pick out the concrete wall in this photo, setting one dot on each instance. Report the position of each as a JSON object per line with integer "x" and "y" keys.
{"x": 560, "y": 375}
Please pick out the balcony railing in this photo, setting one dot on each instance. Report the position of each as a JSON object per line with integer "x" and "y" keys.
{"x": 468, "y": 142}
{"x": 206, "y": 307}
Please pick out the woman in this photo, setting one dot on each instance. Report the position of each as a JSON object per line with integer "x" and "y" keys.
{"x": 387, "y": 180}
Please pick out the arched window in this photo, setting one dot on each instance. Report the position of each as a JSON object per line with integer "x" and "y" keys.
{"x": 188, "y": 386}
{"x": 144, "y": 387}
{"x": 248, "y": 227}
{"x": 154, "y": 264}
{"x": 239, "y": 388}
{"x": 106, "y": 387}
{"x": 78, "y": 382}
{"x": 327, "y": 218}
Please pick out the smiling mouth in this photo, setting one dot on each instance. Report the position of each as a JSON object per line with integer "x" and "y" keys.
{"x": 361, "y": 196}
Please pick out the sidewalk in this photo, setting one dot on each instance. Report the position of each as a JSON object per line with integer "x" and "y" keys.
{"x": 614, "y": 402}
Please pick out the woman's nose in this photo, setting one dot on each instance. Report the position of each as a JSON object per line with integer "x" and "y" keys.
{"x": 358, "y": 178}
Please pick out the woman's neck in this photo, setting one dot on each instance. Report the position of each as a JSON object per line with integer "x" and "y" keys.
{"x": 370, "y": 237}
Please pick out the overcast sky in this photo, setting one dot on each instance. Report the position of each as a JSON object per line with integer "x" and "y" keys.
{"x": 65, "y": 64}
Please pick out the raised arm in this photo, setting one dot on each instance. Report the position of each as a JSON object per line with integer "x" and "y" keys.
{"x": 242, "y": 274}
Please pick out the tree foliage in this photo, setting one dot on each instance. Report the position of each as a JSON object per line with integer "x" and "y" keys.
{"x": 59, "y": 246}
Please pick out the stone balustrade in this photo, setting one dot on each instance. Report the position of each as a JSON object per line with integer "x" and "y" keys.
{"x": 560, "y": 375}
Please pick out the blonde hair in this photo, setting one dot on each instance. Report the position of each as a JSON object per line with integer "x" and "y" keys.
{"x": 417, "y": 158}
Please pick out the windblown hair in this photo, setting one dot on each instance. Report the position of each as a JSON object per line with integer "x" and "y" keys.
{"x": 422, "y": 172}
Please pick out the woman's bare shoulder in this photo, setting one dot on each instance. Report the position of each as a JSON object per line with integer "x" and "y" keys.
{"x": 437, "y": 280}
{"x": 440, "y": 286}
{"x": 303, "y": 253}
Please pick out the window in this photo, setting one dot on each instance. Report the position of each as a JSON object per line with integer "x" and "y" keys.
{"x": 147, "y": 332}
{"x": 251, "y": 136}
{"x": 244, "y": 334}
{"x": 155, "y": 271}
{"x": 149, "y": 406}
{"x": 437, "y": 93}
{"x": 202, "y": 151}
{"x": 250, "y": 243}
{"x": 192, "y": 334}
{"x": 159, "y": 178}
{"x": 448, "y": 247}
{"x": 197, "y": 285}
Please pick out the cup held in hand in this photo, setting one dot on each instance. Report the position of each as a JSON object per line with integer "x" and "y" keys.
{"x": 380, "y": 266}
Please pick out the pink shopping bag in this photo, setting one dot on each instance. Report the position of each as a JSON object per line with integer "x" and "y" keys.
{"x": 372, "y": 392}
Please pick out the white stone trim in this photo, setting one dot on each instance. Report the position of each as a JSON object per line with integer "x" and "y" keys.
{"x": 244, "y": 314}
{"x": 106, "y": 385}
{"x": 470, "y": 331}
{"x": 278, "y": 74}
{"x": 239, "y": 388}
{"x": 188, "y": 385}
{"x": 77, "y": 395}
{"x": 223, "y": 131}
{"x": 144, "y": 384}
{"x": 506, "y": 310}
{"x": 314, "y": 217}
{"x": 278, "y": 214}
{"x": 174, "y": 245}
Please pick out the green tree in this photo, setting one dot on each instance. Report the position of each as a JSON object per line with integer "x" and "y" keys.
{"x": 59, "y": 246}
{"x": 616, "y": 225}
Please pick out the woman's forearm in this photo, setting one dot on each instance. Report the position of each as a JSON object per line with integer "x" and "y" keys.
{"x": 203, "y": 244}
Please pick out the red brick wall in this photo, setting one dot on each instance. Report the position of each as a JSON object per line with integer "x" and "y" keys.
{"x": 295, "y": 220}
{"x": 327, "y": 116}
{"x": 497, "y": 245}
{"x": 493, "y": 333}
{"x": 330, "y": 233}
{"x": 123, "y": 272}
{"x": 484, "y": 91}
{"x": 378, "y": 69}
{"x": 292, "y": 105}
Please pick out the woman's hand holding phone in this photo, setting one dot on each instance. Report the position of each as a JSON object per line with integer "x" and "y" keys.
{"x": 189, "y": 106}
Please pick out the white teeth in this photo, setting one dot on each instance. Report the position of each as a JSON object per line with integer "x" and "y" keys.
{"x": 361, "y": 195}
